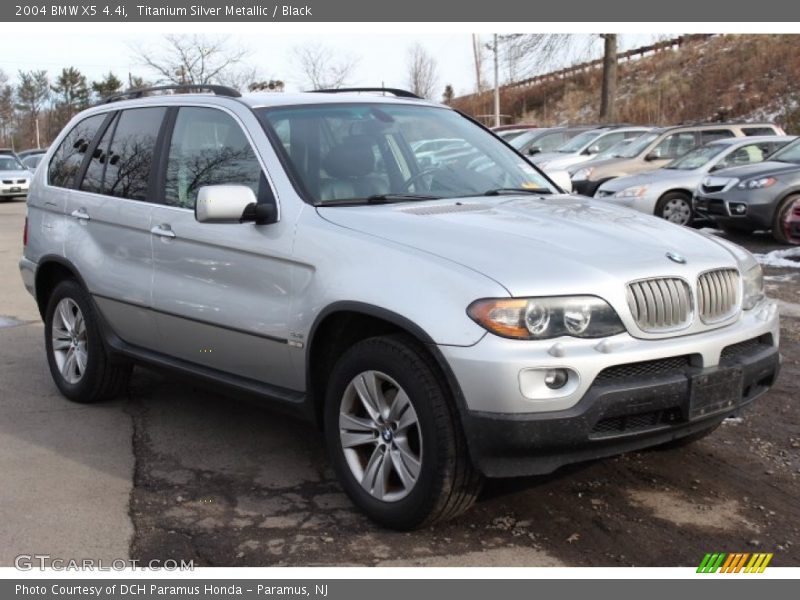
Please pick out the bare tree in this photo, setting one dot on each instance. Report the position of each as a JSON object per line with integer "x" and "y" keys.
{"x": 608, "y": 95}
{"x": 33, "y": 93}
{"x": 321, "y": 69}
{"x": 192, "y": 59}
{"x": 6, "y": 109}
{"x": 422, "y": 72}
{"x": 539, "y": 52}
{"x": 478, "y": 56}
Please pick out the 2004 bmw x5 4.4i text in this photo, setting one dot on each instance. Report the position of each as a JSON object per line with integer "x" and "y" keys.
{"x": 440, "y": 323}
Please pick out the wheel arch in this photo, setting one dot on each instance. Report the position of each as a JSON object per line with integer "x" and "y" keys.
{"x": 51, "y": 269}
{"x": 342, "y": 324}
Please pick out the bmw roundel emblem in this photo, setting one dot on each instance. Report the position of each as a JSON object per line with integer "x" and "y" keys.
{"x": 675, "y": 257}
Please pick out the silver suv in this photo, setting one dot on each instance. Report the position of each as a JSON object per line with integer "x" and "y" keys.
{"x": 440, "y": 324}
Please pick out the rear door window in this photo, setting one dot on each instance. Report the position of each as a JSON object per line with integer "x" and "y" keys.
{"x": 122, "y": 163}
{"x": 68, "y": 157}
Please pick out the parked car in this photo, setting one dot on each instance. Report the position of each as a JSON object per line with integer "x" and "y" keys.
{"x": 760, "y": 196}
{"x": 32, "y": 161}
{"x": 791, "y": 224}
{"x": 439, "y": 324}
{"x": 14, "y": 177}
{"x": 657, "y": 148}
{"x": 667, "y": 192}
{"x": 545, "y": 139}
{"x": 514, "y": 127}
{"x": 32, "y": 152}
{"x": 586, "y": 146}
{"x": 510, "y": 134}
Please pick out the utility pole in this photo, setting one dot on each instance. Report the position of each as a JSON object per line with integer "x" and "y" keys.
{"x": 496, "y": 85}
{"x": 38, "y": 141}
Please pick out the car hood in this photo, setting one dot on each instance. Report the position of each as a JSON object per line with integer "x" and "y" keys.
{"x": 762, "y": 169}
{"x": 539, "y": 245}
{"x": 652, "y": 177}
{"x": 22, "y": 174}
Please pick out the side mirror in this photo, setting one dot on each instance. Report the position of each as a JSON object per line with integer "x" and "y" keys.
{"x": 232, "y": 204}
{"x": 534, "y": 150}
{"x": 593, "y": 149}
{"x": 652, "y": 156}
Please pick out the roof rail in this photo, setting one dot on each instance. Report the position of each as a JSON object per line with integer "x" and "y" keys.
{"x": 394, "y": 91}
{"x": 219, "y": 90}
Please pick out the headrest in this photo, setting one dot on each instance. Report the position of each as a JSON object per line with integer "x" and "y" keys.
{"x": 352, "y": 158}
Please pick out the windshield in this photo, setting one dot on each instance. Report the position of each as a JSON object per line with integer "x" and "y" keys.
{"x": 637, "y": 146}
{"x": 360, "y": 152}
{"x": 613, "y": 151}
{"x": 790, "y": 153}
{"x": 9, "y": 163}
{"x": 697, "y": 158}
{"x": 578, "y": 142}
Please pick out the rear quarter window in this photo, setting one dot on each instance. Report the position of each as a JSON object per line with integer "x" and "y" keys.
{"x": 758, "y": 131}
{"x": 68, "y": 157}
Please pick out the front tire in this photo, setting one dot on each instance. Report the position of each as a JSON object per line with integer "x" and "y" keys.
{"x": 79, "y": 362}
{"x": 675, "y": 207}
{"x": 781, "y": 214}
{"x": 394, "y": 436}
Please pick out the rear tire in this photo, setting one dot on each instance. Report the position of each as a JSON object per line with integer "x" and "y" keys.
{"x": 675, "y": 207}
{"x": 79, "y": 362}
{"x": 401, "y": 455}
{"x": 784, "y": 207}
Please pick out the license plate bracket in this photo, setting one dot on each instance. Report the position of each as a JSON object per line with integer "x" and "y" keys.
{"x": 16, "y": 189}
{"x": 714, "y": 392}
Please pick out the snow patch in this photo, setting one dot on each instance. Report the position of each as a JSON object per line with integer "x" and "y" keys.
{"x": 788, "y": 258}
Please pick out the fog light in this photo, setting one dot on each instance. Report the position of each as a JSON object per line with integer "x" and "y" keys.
{"x": 737, "y": 208}
{"x": 556, "y": 378}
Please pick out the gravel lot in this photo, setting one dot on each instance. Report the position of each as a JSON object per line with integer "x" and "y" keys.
{"x": 173, "y": 471}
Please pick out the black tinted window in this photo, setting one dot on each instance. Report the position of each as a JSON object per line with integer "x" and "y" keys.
{"x": 710, "y": 135}
{"x": 122, "y": 162}
{"x": 758, "y": 131}
{"x": 67, "y": 159}
{"x": 207, "y": 148}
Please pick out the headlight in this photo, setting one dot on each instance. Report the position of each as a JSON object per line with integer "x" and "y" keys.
{"x": 582, "y": 174}
{"x": 543, "y": 318}
{"x": 756, "y": 184}
{"x": 632, "y": 192}
{"x": 753, "y": 280}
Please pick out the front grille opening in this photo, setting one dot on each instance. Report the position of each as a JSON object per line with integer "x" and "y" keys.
{"x": 718, "y": 294}
{"x": 636, "y": 423}
{"x": 660, "y": 304}
{"x": 648, "y": 368}
{"x": 745, "y": 348}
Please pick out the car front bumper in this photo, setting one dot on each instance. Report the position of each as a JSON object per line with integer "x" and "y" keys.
{"x": 628, "y": 393}
{"x": 760, "y": 207}
{"x": 8, "y": 190}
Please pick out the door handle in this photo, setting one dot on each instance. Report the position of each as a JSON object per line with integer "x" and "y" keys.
{"x": 80, "y": 214}
{"x": 163, "y": 230}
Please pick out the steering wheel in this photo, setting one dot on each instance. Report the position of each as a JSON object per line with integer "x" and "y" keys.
{"x": 414, "y": 178}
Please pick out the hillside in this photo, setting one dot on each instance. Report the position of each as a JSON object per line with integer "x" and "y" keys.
{"x": 723, "y": 77}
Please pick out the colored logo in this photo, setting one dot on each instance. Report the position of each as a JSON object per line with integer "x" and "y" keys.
{"x": 737, "y": 562}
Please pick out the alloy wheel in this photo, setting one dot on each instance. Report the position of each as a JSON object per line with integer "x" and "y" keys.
{"x": 70, "y": 348}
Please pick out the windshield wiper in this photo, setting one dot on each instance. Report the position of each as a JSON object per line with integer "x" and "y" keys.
{"x": 377, "y": 199}
{"x": 386, "y": 198}
{"x": 501, "y": 191}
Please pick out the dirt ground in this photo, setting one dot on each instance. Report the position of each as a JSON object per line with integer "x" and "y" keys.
{"x": 227, "y": 484}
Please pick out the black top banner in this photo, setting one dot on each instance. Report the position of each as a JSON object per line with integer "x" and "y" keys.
{"x": 705, "y": 11}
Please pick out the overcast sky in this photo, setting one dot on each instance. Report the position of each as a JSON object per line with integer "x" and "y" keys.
{"x": 382, "y": 58}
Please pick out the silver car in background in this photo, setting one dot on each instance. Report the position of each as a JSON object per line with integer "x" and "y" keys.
{"x": 668, "y": 192}
{"x": 438, "y": 323}
{"x": 586, "y": 146}
{"x": 14, "y": 177}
